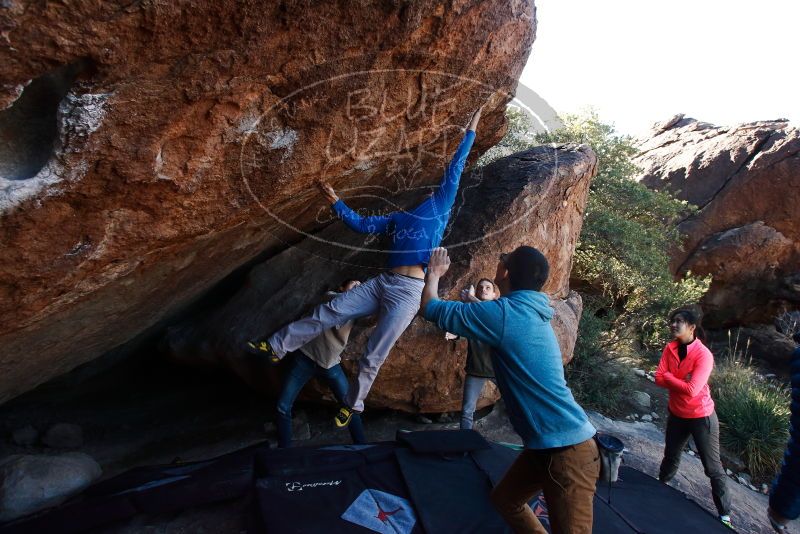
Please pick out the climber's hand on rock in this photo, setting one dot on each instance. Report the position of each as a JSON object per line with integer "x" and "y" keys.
{"x": 468, "y": 295}
{"x": 476, "y": 117}
{"x": 327, "y": 191}
{"x": 439, "y": 262}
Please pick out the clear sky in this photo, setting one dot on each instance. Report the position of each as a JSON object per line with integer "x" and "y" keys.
{"x": 641, "y": 61}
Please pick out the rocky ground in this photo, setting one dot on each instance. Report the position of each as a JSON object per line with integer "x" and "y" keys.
{"x": 145, "y": 418}
{"x": 644, "y": 444}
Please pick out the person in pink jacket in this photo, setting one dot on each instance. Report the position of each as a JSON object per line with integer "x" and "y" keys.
{"x": 685, "y": 366}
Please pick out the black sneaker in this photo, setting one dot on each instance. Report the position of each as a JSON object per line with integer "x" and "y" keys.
{"x": 263, "y": 348}
{"x": 342, "y": 418}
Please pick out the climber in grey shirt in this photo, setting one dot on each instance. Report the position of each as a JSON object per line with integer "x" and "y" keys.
{"x": 320, "y": 357}
{"x": 326, "y": 349}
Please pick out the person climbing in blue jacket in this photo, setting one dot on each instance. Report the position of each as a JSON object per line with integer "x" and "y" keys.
{"x": 784, "y": 500}
{"x": 393, "y": 295}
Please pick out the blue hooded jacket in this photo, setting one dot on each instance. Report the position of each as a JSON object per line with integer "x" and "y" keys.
{"x": 417, "y": 232}
{"x": 527, "y": 364}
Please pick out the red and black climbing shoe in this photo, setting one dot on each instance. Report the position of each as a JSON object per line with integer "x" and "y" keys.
{"x": 263, "y": 348}
{"x": 342, "y": 418}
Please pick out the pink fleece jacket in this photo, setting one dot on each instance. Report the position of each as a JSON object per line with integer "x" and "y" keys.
{"x": 687, "y": 380}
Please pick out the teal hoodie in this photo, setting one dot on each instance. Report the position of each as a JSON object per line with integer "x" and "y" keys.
{"x": 527, "y": 364}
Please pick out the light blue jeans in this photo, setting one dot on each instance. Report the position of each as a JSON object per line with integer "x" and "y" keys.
{"x": 394, "y": 297}
{"x": 473, "y": 385}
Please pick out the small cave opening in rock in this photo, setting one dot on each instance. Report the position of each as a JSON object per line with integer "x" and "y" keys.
{"x": 29, "y": 127}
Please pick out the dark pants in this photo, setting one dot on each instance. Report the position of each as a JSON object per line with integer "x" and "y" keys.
{"x": 301, "y": 370}
{"x": 705, "y": 431}
{"x": 566, "y": 476}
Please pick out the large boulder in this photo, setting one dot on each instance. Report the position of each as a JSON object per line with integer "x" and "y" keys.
{"x": 535, "y": 197}
{"x": 152, "y": 148}
{"x": 29, "y": 483}
{"x": 746, "y": 234}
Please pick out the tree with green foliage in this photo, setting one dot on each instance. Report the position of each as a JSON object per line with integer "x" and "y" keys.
{"x": 519, "y": 136}
{"x": 621, "y": 268}
{"x": 621, "y": 262}
{"x": 628, "y": 232}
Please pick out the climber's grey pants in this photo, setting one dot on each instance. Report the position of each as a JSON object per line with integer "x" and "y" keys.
{"x": 394, "y": 297}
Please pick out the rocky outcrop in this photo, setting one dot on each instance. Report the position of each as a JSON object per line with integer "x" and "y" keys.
{"x": 764, "y": 341}
{"x": 534, "y": 197}
{"x": 743, "y": 179}
{"x": 154, "y": 148}
{"x": 29, "y": 483}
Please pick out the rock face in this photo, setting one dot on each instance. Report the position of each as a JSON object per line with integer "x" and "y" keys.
{"x": 640, "y": 400}
{"x": 63, "y": 436}
{"x": 534, "y": 197}
{"x": 25, "y": 436}
{"x": 154, "y": 148}
{"x": 746, "y": 234}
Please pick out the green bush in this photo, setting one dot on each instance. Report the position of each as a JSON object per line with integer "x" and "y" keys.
{"x": 628, "y": 230}
{"x": 621, "y": 262}
{"x": 593, "y": 376}
{"x": 622, "y": 255}
{"x": 519, "y": 137}
{"x": 753, "y": 414}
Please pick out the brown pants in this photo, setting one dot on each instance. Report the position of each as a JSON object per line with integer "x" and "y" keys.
{"x": 567, "y": 477}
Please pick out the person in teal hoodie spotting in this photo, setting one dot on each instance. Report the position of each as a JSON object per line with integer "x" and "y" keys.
{"x": 394, "y": 295}
{"x": 560, "y": 456}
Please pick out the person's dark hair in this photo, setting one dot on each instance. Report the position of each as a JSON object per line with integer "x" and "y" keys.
{"x": 691, "y": 317}
{"x": 796, "y": 337}
{"x": 527, "y": 268}
{"x": 485, "y": 280}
